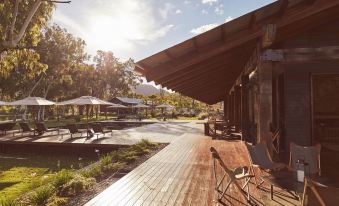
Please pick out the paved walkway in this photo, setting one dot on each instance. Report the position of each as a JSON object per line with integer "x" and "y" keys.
{"x": 163, "y": 132}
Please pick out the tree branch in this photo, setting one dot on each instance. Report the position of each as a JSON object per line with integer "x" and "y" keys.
{"x": 13, "y": 42}
{"x": 17, "y": 2}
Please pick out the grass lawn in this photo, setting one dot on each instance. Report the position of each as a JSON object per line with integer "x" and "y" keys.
{"x": 21, "y": 173}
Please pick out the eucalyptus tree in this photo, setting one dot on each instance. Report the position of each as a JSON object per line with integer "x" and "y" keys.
{"x": 21, "y": 21}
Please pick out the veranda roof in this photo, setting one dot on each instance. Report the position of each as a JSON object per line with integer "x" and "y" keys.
{"x": 31, "y": 101}
{"x": 206, "y": 66}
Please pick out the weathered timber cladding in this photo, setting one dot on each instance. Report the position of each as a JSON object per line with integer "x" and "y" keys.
{"x": 297, "y": 105}
{"x": 298, "y": 98}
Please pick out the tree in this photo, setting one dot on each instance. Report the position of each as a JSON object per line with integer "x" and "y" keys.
{"x": 19, "y": 16}
{"x": 111, "y": 76}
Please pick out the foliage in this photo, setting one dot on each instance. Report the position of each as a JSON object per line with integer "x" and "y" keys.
{"x": 57, "y": 201}
{"x": 10, "y": 202}
{"x": 41, "y": 195}
{"x": 39, "y": 21}
{"x": 76, "y": 185}
{"x": 62, "y": 177}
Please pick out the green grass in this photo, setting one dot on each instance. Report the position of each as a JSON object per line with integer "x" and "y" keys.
{"x": 21, "y": 173}
{"x": 41, "y": 179}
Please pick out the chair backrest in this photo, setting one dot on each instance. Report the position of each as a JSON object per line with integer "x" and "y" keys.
{"x": 72, "y": 128}
{"x": 7, "y": 126}
{"x": 310, "y": 155}
{"x": 40, "y": 127}
{"x": 216, "y": 157}
{"x": 259, "y": 155}
{"x": 25, "y": 127}
{"x": 316, "y": 194}
{"x": 97, "y": 128}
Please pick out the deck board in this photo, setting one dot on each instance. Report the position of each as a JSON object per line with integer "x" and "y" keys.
{"x": 180, "y": 174}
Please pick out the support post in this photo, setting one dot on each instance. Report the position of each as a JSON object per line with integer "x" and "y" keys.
{"x": 237, "y": 108}
{"x": 231, "y": 108}
{"x": 226, "y": 108}
{"x": 245, "y": 108}
{"x": 265, "y": 102}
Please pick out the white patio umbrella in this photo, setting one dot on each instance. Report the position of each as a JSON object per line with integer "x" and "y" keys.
{"x": 85, "y": 100}
{"x": 142, "y": 106}
{"x": 31, "y": 101}
{"x": 117, "y": 106}
{"x": 164, "y": 106}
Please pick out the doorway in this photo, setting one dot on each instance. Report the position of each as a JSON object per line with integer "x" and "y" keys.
{"x": 325, "y": 106}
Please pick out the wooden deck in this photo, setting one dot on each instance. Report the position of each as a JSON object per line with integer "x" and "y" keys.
{"x": 180, "y": 174}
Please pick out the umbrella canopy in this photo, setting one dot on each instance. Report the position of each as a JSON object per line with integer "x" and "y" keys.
{"x": 31, "y": 101}
{"x": 85, "y": 100}
{"x": 116, "y": 106}
{"x": 140, "y": 106}
{"x": 165, "y": 106}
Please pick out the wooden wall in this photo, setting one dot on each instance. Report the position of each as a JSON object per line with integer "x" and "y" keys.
{"x": 298, "y": 108}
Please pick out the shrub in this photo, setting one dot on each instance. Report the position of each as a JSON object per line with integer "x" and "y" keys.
{"x": 57, "y": 201}
{"x": 9, "y": 202}
{"x": 92, "y": 171}
{"x": 77, "y": 185}
{"x": 202, "y": 116}
{"x": 106, "y": 160}
{"x": 62, "y": 177}
{"x": 40, "y": 196}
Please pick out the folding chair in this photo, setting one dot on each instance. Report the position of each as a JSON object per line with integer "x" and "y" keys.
{"x": 310, "y": 154}
{"x": 316, "y": 194}
{"x": 240, "y": 173}
{"x": 260, "y": 158}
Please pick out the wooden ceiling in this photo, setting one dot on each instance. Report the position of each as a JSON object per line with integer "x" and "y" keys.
{"x": 206, "y": 66}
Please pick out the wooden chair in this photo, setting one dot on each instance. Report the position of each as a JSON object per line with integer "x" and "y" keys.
{"x": 260, "y": 158}
{"x": 310, "y": 154}
{"x": 240, "y": 173}
{"x": 316, "y": 194}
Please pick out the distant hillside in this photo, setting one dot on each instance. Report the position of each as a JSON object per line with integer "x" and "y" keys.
{"x": 145, "y": 89}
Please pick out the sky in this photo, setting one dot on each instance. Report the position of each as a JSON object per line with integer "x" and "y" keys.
{"x": 139, "y": 28}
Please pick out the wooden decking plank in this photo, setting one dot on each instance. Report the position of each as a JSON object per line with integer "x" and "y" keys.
{"x": 171, "y": 178}
{"x": 158, "y": 179}
{"x": 132, "y": 178}
{"x": 118, "y": 193}
{"x": 182, "y": 175}
{"x": 181, "y": 188}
